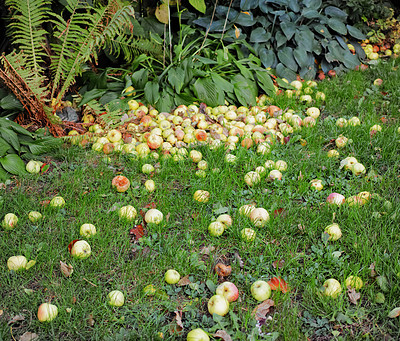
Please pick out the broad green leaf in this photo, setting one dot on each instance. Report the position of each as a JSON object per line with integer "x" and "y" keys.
{"x": 206, "y": 61}
{"x": 294, "y": 5}
{"x": 280, "y": 39}
{"x": 108, "y": 97}
{"x": 14, "y": 126}
{"x": 206, "y": 91}
{"x": 221, "y": 83}
{"x": 245, "y": 19}
{"x": 284, "y": 72}
{"x": 304, "y": 38}
{"x": 323, "y": 30}
{"x": 140, "y": 78}
{"x": 310, "y": 13}
{"x": 10, "y": 102}
{"x": 267, "y": 57}
{"x": 302, "y": 57}
{"x": 162, "y": 13}
{"x": 355, "y": 32}
{"x": 337, "y": 25}
{"x": 308, "y": 72}
{"x": 211, "y": 286}
{"x": 166, "y": 102}
{"x": 176, "y": 78}
{"x": 13, "y": 164}
{"x": 4, "y": 147}
{"x": 11, "y": 137}
{"x": 184, "y": 99}
{"x": 335, "y": 12}
{"x": 44, "y": 145}
{"x": 92, "y": 94}
{"x": 285, "y": 56}
{"x": 200, "y": 5}
{"x": 243, "y": 70}
{"x": 245, "y": 5}
{"x": 151, "y": 92}
{"x": 3, "y": 174}
{"x": 265, "y": 82}
{"x": 313, "y": 4}
{"x": 260, "y": 35}
{"x": 245, "y": 90}
{"x": 289, "y": 29}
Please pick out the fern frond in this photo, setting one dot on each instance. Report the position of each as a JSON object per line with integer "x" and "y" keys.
{"x": 27, "y": 32}
{"x": 131, "y": 47}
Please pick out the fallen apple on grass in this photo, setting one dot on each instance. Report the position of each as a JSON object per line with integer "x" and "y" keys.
{"x": 216, "y": 228}
{"x": 57, "y": 202}
{"x": 259, "y": 217}
{"x": 226, "y": 219}
{"x": 81, "y": 249}
{"x": 34, "y": 216}
{"x": 335, "y": 199}
{"x": 153, "y": 216}
{"x": 332, "y": 288}
{"x": 121, "y": 183}
{"x": 252, "y": 178}
{"x": 172, "y": 276}
{"x": 218, "y": 304}
{"x": 116, "y": 298}
{"x": 248, "y": 234}
{"x": 201, "y": 196}
{"x": 47, "y": 312}
{"x": 33, "y": 167}
{"x": 316, "y": 184}
{"x": 10, "y": 221}
{"x": 127, "y": 212}
{"x": 87, "y": 230}
{"x": 197, "y": 334}
{"x": 147, "y": 168}
{"x": 17, "y": 263}
{"x": 260, "y": 290}
{"x": 228, "y": 290}
{"x": 150, "y": 185}
{"x": 334, "y": 232}
{"x": 354, "y": 282}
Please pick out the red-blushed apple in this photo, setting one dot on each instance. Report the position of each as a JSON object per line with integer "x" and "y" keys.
{"x": 197, "y": 335}
{"x": 335, "y": 199}
{"x": 34, "y": 216}
{"x": 218, "y": 304}
{"x": 228, "y": 290}
{"x": 17, "y": 263}
{"x": 57, "y": 202}
{"x": 121, "y": 183}
{"x": 341, "y": 141}
{"x": 341, "y": 122}
{"x": 114, "y": 135}
{"x": 332, "y": 288}
{"x": 216, "y": 228}
{"x": 153, "y": 216}
{"x": 334, "y": 232}
{"x": 354, "y": 282}
{"x": 316, "y": 184}
{"x": 226, "y": 219}
{"x": 81, "y": 250}
{"x": 201, "y": 196}
{"x": 9, "y": 222}
{"x": 259, "y": 217}
{"x": 260, "y": 290}
{"x": 154, "y": 141}
{"x": 47, "y": 312}
{"x": 248, "y": 234}
{"x": 355, "y": 200}
{"x": 252, "y": 178}
{"x": 116, "y": 298}
{"x": 87, "y": 230}
{"x": 172, "y": 276}
{"x": 127, "y": 212}
{"x": 275, "y": 175}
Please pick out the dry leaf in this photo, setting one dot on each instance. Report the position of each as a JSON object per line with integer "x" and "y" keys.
{"x": 1, "y": 312}
{"x": 205, "y": 250}
{"x": 167, "y": 217}
{"x": 260, "y": 312}
{"x": 28, "y": 336}
{"x": 353, "y": 295}
{"x": 239, "y": 259}
{"x": 237, "y": 32}
{"x": 372, "y": 268}
{"x": 278, "y": 264}
{"x": 222, "y": 334}
{"x": 138, "y": 231}
{"x": 30, "y": 264}
{"x": 277, "y": 283}
{"x": 66, "y": 269}
{"x": 184, "y": 281}
{"x": 178, "y": 319}
{"x": 90, "y": 320}
{"x": 223, "y": 270}
{"x": 162, "y": 13}
{"x": 301, "y": 176}
{"x": 394, "y": 313}
{"x": 16, "y": 318}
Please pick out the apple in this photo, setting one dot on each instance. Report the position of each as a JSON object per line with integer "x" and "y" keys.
{"x": 81, "y": 250}
{"x": 201, "y": 196}
{"x": 230, "y": 158}
{"x": 226, "y": 219}
{"x": 197, "y": 335}
{"x": 260, "y": 290}
{"x": 203, "y": 165}
{"x": 33, "y": 167}
{"x": 332, "y": 288}
{"x": 218, "y": 304}
{"x": 195, "y": 155}
{"x": 246, "y": 210}
{"x": 269, "y": 164}
{"x": 333, "y": 153}
{"x": 378, "y": 82}
{"x": 87, "y": 230}
{"x": 355, "y": 200}
{"x": 57, "y": 202}
{"x": 334, "y": 231}
{"x": 150, "y": 185}
{"x": 335, "y": 199}
{"x": 358, "y": 169}
{"x": 34, "y": 216}
{"x": 133, "y": 105}
{"x": 354, "y": 121}
{"x": 248, "y": 234}
{"x": 153, "y": 216}
{"x": 127, "y": 212}
{"x": 320, "y": 96}
{"x": 149, "y": 290}
{"x": 348, "y": 162}
{"x": 259, "y": 217}
{"x": 313, "y": 112}
{"x": 47, "y": 312}
{"x": 229, "y": 291}
{"x": 275, "y": 175}
{"x": 154, "y": 141}
{"x": 17, "y": 263}
{"x": 216, "y": 228}
{"x": 341, "y": 141}
{"x": 316, "y": 184}
{"x": 296, "y": 84}
{"x": 116, "y": 298}
{"x": 252, "y": 178}
{"x": 97, "y": 147}
{"x": 341, "y": 122}
{"x": 306, "y": 99}
{"x": 147, "y": 168}
{"x": 281, "y": 165}
{"x": 375, "y": 127}
{"x": 114, "y": 135}
{"x": 9, "y": 222}
{"x": 354, "y": 282}
{"x": 121, "y": 183}
{"x": 201, "y": 173}
{"x": 172, "y": 276}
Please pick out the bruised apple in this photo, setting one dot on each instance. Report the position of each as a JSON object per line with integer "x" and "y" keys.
{"x": 121, "y": 183}
{"x": 47, "y": 312}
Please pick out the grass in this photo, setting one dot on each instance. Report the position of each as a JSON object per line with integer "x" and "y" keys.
{"x": 119, "y": 261}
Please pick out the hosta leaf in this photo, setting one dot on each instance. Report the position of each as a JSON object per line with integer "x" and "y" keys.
{"x": 304, "y": 38}
{"x": 267, "y": 57}
{"x": 313, "y": 4}
{"x": 280, "y": 39}
{"x": 323, "y": 30}
{"x": 166, "y": 101}
{"x": 359, "y": 50}
{"x": 245, "y": 19}
{"x": 4, "y": 147}
{"x": 337, "y": 26}
{"x": 151, "y": 92}
{"x": 3, "y": 174}
{"x": 199, "y": 5}
{"x": 11, "y": 137}
{"x": 14, "y": 126}
{"x": 245, "y": 90}
{"x": 335, "y": 12}
{"x": 302, "y": 57}
{"x": 10, "y": 102}
{"x": 221, "y": 83}
{"x": 243, "y": 70}
{"x": 108, "y": 97}
{"x": 284, "y": 72}
{"x": 294, "y": 5}
{"x": 176, "y": 78}
{"x": 307, "y": 72}
{"x": 355, "y": 32}
{"x": 140, "y": 78}
{"x": 44, "y": 145}
{"x": 289, "y": 29}
{"x": 285, "y": 56}
{"x": 310, "y": 13}
{"x": 162, "y": 13}
{"x": 245, "y": 5}
{"x": 13, "y": 164}
{"x": 260, "y": 35}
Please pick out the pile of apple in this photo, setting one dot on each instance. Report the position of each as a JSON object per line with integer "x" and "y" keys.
{"x": 373, "y": 52}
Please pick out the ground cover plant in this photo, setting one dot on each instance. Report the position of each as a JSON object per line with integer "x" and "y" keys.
{"x": 291, "y": 251}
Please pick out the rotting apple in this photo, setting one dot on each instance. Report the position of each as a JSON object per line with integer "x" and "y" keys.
{"x": 313, "y": 112}
{"x": 252, "y": 178}
{"x": 33, "y": 167}
{"x": 153, "y": 216}
{"x": 316, "y": 184}
{"x": 228, "y": 290}
{"x": 218, "y": 304}
{"x": 147, "y": 168}
{"x": 335, "y": 199}
{"x": 260, "y": 290}
{"x": 246, "y": 210}
{"x": 275, "y": 175}
{"x": 114, "y": 135}
{"x": 10, "y": 221}
{"x": 121, "y": 183}
{"x": 150, "y": 185}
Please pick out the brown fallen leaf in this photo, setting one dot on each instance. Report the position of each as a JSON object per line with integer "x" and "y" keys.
{"x": 222, "y": 334}
{"x": 205, "y": 250}
{"x": 260, "y": 312}
{"x": 184, "y": 281}
{"x": 373, "y": 272}
{"x": 90, "y": 320}
{"x": 239, "y": 259}
{"x": 28, "y": 336}
{"x": 137, "y": 232}
{"x": 223, "y": 270}
{"x": 167, "y": 217}
{"x": 278, "y": 264}
{"x": 16, "y": 318}
{"x": 178, "y": 318}
{"x": 394, "y": 313}
{"x": 353, "y": 295}
{"x": 66, "y": 269}
{"x": 279, "y": 284}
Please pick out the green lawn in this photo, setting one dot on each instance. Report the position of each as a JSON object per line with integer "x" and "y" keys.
{"x": 291, "y": 245}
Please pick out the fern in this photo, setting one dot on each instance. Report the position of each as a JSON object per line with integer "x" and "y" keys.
{"x": 132, "y": 47}
{"x": 27, "y": 31}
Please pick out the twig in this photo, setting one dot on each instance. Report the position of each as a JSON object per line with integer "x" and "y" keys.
{"x": 90, "y": 282}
